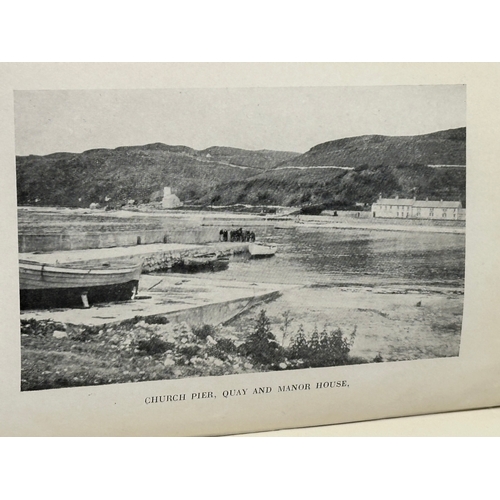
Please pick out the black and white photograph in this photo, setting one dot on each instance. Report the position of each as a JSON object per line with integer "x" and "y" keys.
{"x": 176, "y": 233}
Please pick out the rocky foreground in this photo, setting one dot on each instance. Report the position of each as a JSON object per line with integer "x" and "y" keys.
{"x": 55, "y": 355}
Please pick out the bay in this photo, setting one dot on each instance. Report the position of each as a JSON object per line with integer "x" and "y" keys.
{"x": 341, "y": 257}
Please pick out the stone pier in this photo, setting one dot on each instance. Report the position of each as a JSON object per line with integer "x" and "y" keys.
{"x": 155, "y": 257}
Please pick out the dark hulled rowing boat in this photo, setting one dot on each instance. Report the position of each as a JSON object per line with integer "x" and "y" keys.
{"x": 48, "y": 285}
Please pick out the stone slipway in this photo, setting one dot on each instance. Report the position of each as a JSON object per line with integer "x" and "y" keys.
{"x": 178, "y": 297}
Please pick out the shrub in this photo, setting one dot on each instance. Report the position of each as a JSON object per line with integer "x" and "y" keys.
{"x": 299, "y": 347}
{"x": 226, "y": 345}
{"x": 261, "y": 345}
{"x": 202, "y": 332}
{"x": 156, "y": 320}
{"x": 322, "y": 349}
{"x": 312, "y": 210}
{"x": 154, "y": 345}
{"x": 42, "y": 328}
{"x": 287, "y": 320}
{"x": 189, "y": 350}
{"x": 35, "y": 327}
{"x": 222, "y": 348}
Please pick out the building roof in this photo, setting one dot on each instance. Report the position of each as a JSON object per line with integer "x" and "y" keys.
{"x": 396, "y": 201}
{"x": 438, "y": 204}
{"x": 419, "y": 203}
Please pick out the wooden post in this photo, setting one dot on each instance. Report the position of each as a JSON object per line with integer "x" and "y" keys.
{"x": 85, "y": 300}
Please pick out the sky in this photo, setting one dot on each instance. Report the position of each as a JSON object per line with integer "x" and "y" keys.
{"x": 286, "y": 119}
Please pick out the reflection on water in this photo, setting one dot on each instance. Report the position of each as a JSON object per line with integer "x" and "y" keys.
{"x": 351, "y": 256}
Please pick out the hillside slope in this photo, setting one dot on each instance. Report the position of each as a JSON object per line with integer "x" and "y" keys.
{"x": 135, "y": 172}
{"x": 371, "y": 165}
{"x": 446, "y": 147}
{"x": 337, "y": 189}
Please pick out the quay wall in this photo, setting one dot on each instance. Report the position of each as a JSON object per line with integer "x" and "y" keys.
{"x": 85, "y": 240}
{"x": 161, "y": 261}
{"x": 164, "y": 260}
{"x": 220, "y": 312}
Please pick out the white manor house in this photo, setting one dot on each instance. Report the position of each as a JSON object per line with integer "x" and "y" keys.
{"x": 411, "y": 208}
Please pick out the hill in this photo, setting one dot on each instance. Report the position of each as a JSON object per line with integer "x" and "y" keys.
{"x": 367, "y": 166}
{"x": 335, "y": 174}
{"x": 446, "y": 147}
{"x": 260, "y": 159}
{"x": 135, "y": 172}
{"x": 338, "y": 189}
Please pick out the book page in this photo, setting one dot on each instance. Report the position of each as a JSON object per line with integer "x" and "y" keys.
{"x": 210, "y": 249}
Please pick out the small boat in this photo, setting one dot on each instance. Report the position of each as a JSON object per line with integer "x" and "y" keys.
{"x": 199, "y": 260}
{"x": 209, "y": 261}
{"x": 57, "y": 285}
{"x": 262, "y": 250}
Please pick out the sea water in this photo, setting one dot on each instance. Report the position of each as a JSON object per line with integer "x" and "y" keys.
{"x": 341, "y": 257}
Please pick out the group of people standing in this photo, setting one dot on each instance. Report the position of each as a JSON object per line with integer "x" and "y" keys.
{"x": 236, "y": 235}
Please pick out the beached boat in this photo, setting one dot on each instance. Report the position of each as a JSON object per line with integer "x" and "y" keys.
{"x": 208, "y": 261}
{"x": 44, "y": 284}
{"x": 199, "y": 260}
{"x": 262, "y": 250}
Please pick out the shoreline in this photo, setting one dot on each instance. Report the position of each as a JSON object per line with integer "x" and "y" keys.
{"x": 191, "y": 221}
{"x": 384, "y": 227}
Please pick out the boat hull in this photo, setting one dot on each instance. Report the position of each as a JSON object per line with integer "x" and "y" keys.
{"x": 205, "y": 263}
{"x": 44, "y": 285}
{"x": 258, "y": 250}
{"x": 72, "y": 297}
